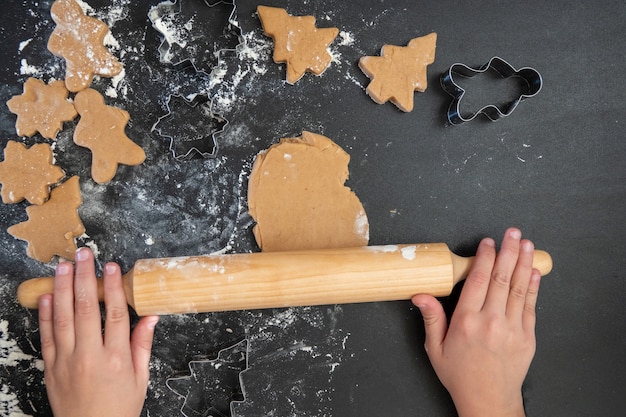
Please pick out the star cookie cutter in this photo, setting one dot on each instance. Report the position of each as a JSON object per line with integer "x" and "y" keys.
{"x": 190, "y": 126}
{"x": 196, "y": 32}
{"x": 530, "y": 76}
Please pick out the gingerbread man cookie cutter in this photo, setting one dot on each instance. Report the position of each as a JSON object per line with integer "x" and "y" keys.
{"x": 531, "y": 77}
{"x": 189, "y": 139}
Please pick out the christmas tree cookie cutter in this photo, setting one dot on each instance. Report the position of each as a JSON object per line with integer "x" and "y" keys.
{"x": 532, "y": 85}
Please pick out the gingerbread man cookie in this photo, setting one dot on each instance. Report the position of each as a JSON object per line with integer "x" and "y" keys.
{"x": 101, "y": 130}
{"x": 399, "y": 71}
{"x": 28, "y": 173}
{"x": 51, "y": 228}
{"x": 42, "y": 108}
{"x": 79, "y": 39}
{"x": 297, "y": 41}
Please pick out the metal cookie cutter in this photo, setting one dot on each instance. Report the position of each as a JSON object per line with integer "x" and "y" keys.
{"x": 196, "y": 32}
{"x": 191, "y": 127}
{"x": 531, "y": 77}
{"x": 212, "y": 385}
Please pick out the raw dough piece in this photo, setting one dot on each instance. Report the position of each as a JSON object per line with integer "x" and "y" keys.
{"x": 399, "y": 71}
{"x": 101, "y": 129}
{"x": 28, "y": 173}
{"x": 80, "y": 40}
{"x": 297, "y": 41}
{"x": 42, "y": 108}
{"x": 51, "y": 228}
{"x": 297, "y": 197}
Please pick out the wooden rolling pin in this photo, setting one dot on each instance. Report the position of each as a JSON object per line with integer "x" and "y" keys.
{"x": 285, "y": 279}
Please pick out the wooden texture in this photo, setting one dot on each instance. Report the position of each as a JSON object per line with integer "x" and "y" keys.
{"x": 284, "y": 279}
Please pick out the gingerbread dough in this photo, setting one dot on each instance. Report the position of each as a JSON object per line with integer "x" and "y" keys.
{"x": 79, "y": 39}
{"x": 298, "y": 199}
{"x": 101, "y": 129}
{"x": 297, "y": 41}
{"x": 399, "y": 71}
{"x": 51, "y": 228}
{"x": 42, "y": 108}
{"x": 28, "y": 173}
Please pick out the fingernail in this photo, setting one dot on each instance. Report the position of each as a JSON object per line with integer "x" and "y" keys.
{"x": 110, "y": 269}
{"x": 528, "y": 246}
{"x": 489, "y": 242}
{"x": 44, "y": 302}
{"x": 63, "y": 268}
{"x": 515, "y": 233}
{"x": 82, "y": 254}
{"x": 153, "y": 322}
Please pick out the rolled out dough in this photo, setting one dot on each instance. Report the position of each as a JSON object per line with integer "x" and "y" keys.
{"x": 297, "y": 197}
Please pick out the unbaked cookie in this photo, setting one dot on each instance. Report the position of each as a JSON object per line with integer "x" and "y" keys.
{"x": 298, "y": 199}
{"x": 51, "y": 228}
{"x": 42, "y": 108}
{"x": 297, "y": 41}
{"x": 28, "y": 173}
{"x": 79, "y": 39}
{"x": 101, "y": 130}
{"x": 399, "y": 71}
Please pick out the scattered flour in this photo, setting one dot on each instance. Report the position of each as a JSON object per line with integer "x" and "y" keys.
{"x": 12, "y": 356}
{"x": 26, "y": 69}
{"x": 346, "y": 38}
{"x": 408, "y": 252}
{"x": 9, "y": 403}
{"x": 24, "y": 44}
{"x": 10, "y": 353}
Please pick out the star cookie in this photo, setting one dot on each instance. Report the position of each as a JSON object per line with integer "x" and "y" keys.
{"x": 399, "y": 71}
{"x": 51, "y": 228}
{"x": 297, "y": 41}
{"x": 79, "y": 39}
{"x": 28, "y": 173}
{"x": 101, "y": 130}
{"x": 42, "y": 108}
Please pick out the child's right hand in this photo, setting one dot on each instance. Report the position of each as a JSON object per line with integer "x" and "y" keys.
{"x": 483, "y": 357}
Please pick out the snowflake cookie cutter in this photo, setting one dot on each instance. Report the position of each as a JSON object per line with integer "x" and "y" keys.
{"x": 183, "y": 44}
{"x": 189, "y": 139}
{"x": 212, "y": 385}
{"x": 531, "y": 77}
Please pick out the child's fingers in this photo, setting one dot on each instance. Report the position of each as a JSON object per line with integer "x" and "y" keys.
{"x": 63, "y": 309}
{"x": 435, "y": 323}
{"x": 141, "y": 346}
{"x": 477, "y": 282}
{"x": 117, "y": 322}
{"x": 520, "y": 281}
{"x": 87, "y": 308}
{"x": 528, "y": 315}
{"x": 500, "y": 283}
{"x": 46, "y": 329}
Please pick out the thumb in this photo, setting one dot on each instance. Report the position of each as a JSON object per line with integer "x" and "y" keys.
{"x": 435, "y": 322}
{"x": 141, "y": 346}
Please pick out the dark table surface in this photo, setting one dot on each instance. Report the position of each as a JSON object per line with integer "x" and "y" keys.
{"x": 556, "y": 168}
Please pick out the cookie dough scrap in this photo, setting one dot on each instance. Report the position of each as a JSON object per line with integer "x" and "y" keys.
{"x": 399, "y": 71}
{"x": 28, "y": 173}
{"x": 297, "y": 196}
{"x": 297, "y": 42}
{"x": 79, "y": 39}
{"x": 101, "y": 130}
{"x": 42, "y": 108}
{"x": 51, "y": 228}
